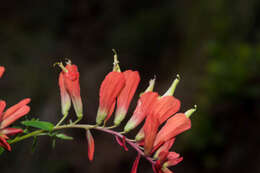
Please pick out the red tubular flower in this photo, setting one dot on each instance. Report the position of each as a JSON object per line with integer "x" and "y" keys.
{"x": 109, "y": 91}
{"x": 8, "y": 117}
{"x": 70, "y": 89}
{"x": 143, "y": 105}
{"x": 132, "y": 80}
{"x": 2, "y": 70}
{"x": 174, "y": 126}
{"x": 91, "y": 145}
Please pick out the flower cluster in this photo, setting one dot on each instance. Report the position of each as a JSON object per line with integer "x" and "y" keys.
{"x": 118, "y": 89}
{"x": 9, "y": 116}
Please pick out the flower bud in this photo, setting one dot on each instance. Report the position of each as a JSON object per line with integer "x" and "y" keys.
{"x": 91, "y": 145}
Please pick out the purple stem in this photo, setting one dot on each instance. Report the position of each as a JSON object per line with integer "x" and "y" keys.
{"x": 133, "y": 144}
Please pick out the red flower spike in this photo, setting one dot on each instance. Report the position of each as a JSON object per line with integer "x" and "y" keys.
{"x": 4, "y": 144}
{"x": 2, "y": 70}
{"x": 71, "y": 83}
{"x": 144, "y": 104}
{"x": 132, "y": 80}
{"x": 174, "y": 126}
{"x": 91, "y": 145}
{"x": 109, "y": 91}
{"x": 135, "y": 165}
{"x": 150, "y": 130}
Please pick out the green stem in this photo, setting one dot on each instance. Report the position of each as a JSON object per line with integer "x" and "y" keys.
{"x": 62, "y": 119}
{"x": 17, "y": 139}
{"x": 37, "y": 132}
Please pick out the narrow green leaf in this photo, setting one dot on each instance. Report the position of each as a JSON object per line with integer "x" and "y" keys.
{"x": 63, "y": 136}
{"x": 44, "y": 125}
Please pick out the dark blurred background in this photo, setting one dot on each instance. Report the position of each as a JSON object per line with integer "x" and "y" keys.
{"x": 214, "y": 46}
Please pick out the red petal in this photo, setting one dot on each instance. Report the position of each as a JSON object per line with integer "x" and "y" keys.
{"x": 65, "y": 97}
{"x": 91, "y": 145}
{"x": 163, "y": 156}
{"x": 165, "y": 147}
{"x": 144, "y": 103}
{"x": 165, "y": 107}
{"x": 14, "y": 116}
{"x": 16, "y": 107}
{"x": 173, "y": 155}
{"x": 174, "y": 126}
{"x": 173, "y": 159}
{"x": 150, "y": 130}
{"x": 4, "y": 144}
{"x": 10, "y": 131}
{"x": 135, "y": 165}
{"x": 112, "y": 108}
{"x": 2, "y": 70}
{"x": 132, "y": 80}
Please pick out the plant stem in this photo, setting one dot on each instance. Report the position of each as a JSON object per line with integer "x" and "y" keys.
{"x": 86, "y": 127}
{"x": 19, "y": 138}
{"x": 62, "y": 119}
